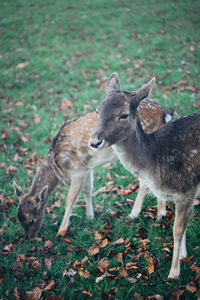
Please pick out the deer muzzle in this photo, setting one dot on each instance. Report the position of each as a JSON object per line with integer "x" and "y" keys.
{"x": 96, "y": 143}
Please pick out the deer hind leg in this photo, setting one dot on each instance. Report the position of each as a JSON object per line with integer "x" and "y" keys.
{"x": 183, "y": 212}
{"x": 139, "y": 200}
{"x": 87, "y": 189}
{"x": 77, "y": 181}
{"x": 161, "y": 209}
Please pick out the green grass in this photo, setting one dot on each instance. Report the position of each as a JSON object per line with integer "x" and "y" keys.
{"x": 56, "y": 50}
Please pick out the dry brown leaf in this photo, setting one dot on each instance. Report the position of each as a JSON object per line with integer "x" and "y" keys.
{"x": 50, "y": 285}
{"x": 102, "y": 265}
{"x": 36, "y": 118}
{"x": 93, "y": 250}
{"x": 123, "y": 272}
{"x": 25, "y": 139}
{"x": 118, "y": 242}
{"x": 131, "y": 279}
{"x": 114, "y": 269}
{"x": 131, "y": 265}
{"x": 22, "y": 65}
{"x": 76, "y": 263}
{"x": 11, "y": 169}
{"x": 108, "y": 176}
{"x": 100, "y": 278}
{"x": 150, "y": 268}
{"x": 119, "y": 257}
{"x": 87, "y": 292}
{"x": 97, "y": 236}
{"x": 104, "y": 243}
{"x": 48, "y": 244}
{"x": 48, "y": 140}
{"x": 100, "y": 190}
{"x": 190, "y": 288}
{"x": 84, "y": 260}
{"x": 82, "y": 273}
{"x": 36, "y": 265}
{"x": 62, "y": 233}
{"x": 65, "y": 104}
{"x": 48, "y": 262}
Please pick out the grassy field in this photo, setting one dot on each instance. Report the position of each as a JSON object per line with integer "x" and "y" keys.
{"x": 54, "y": 59}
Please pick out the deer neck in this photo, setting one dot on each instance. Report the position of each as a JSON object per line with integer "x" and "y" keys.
{"x": 137, "y": 152}
{"x": 46, "y": 176}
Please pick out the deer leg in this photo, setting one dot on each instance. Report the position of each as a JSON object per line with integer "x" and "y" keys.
{"x": 77, "y": 181}
{"x": 87, "y": 189}
{"x": 183, "y": 212}
{"x": 161, "y": 209}
{"x": 183, "y": 253}
{"x": 139, "y": 200}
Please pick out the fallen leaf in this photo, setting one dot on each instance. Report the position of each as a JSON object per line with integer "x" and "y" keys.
{"x": 131, "y": 265}
{"x": 190, "y": 288}
{"x": 118, "y": 242}
{"x": 76, "y": 263}
{"x": 62, "y": 233}
{"x": 48, "y": 244}
{"x": 8, "y": 203}
{"x": 150, "y": 268}
{"x": 48, "y": 140}
{"x": 97, "y": 236}
{"x": 123, "y": 272}
{"x": 11, "y": 169}
{"x": 36, "y": 118}
{"x": 48, "y": 262}
{"x": 36, "y": 265}
{"x": 35, "y": 294}
{"x": 22, "y": 65}
{"x": 50, "y": 285}
{"x": 65, "y": 104}
{"x": 87, "y": 292}
{"x": 16, "y": 292}
{"x": 84, "y": 260}
{"x": 102, "y": 265}
{"x": 104, "y": 243}
{"x": 70, "y": 273}
{"x": 100, "y": 278}
{"x": 25, "y": 139}
{"x": 100, "y": 190}
{"x": 119, "y": 257}
{"x": 177, "y": 294}
{"x": 93, "y": 250}
{"x": 82, "y": 273}
{"x": 131, "y": 279}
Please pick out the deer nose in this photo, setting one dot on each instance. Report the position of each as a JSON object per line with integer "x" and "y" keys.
{"x": 95, "y": 143}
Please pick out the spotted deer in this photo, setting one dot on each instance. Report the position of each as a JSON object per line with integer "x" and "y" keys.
{"x": 71, "y": 158}
{"x": 167, "y": 160}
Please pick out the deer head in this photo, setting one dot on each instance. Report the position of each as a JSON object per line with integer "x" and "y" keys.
{"x": 31, "y": 210}
{"x": 116, "y": 113}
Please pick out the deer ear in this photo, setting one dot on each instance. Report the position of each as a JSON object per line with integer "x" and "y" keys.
{"x": 17, "y": 189}
{"x": 145, "y": 90}
{"x": 112, "y": 83}
{"x": 43, "y": 194}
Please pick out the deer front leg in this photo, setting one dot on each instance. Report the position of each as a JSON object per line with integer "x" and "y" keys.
{"x": 139, "y": 200}
{"x": 161, "y": 209}
{"x": 77, "y": 181}
{"x": 87, "y": 189}
{"x": 183, "y": 212}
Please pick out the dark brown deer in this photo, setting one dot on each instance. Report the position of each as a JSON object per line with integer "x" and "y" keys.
{"x": 71, "y": 158}
{"x": 168, "y": 160}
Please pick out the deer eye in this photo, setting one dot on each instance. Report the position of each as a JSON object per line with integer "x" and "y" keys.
{"x": 123, "y": 117}
{"x": 31, "y": 223}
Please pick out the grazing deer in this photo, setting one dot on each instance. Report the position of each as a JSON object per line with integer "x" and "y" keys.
{"x": 70, "y": 157}
{"x": 168, "y": 159}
